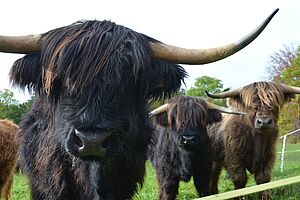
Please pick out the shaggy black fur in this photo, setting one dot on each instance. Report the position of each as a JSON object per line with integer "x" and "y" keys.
{"x": 90, "y": 75}
{"x": 175, "y": 161}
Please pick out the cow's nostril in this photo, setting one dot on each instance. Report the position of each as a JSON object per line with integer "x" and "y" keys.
{"x": 77, "y": 140}
{"x": 269, "y": 121}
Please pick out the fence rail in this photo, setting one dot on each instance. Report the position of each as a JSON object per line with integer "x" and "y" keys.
{"x": 252, "y": 189}
{"x": 261, "y": 187}
{"x": 284, "y": 137}
{"x": 291, "y": 133}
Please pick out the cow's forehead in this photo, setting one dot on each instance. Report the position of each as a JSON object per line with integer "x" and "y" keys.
{"x": 187, "y": 111}
{"x": 263, "y": 94}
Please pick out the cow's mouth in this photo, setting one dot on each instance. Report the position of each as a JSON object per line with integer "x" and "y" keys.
{"x": 91, "y": 145}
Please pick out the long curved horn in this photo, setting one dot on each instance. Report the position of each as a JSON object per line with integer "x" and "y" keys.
{"x": 222, "y": 95}
{"x": 159, "y": 110}
{"x": 33, "y": 43}
{"x": 290, "y": 89}
{"x": 224, "y": 109}
{"x": 203, "y": 56}
{"x": 20, "y": 44}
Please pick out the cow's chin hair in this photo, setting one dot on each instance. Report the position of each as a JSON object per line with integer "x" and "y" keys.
{"x": 188, "y": 148}
{"x": 266, "y": 131}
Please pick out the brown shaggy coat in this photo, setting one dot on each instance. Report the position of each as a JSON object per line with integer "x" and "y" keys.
{"x": 240, "y": 145}
{"x": 8, "y": 157}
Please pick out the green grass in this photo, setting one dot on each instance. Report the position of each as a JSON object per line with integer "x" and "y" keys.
{"x": 149, "y": 190}
{"x": 20, "y": 187}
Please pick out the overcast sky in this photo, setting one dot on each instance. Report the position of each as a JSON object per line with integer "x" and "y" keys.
{"x": 189, "y": 24}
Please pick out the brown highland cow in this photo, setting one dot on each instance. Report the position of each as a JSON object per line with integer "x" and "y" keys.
{"x": 8, "y": 157}
{"x": 248, "y": 142}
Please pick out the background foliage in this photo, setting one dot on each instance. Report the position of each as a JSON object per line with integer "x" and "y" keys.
{"x": 287, "y": 70}
{"x": 210, "y": 84}
{"x": 10, "y": 108}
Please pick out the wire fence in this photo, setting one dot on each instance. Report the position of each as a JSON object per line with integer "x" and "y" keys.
{"x": 284, "y": 139}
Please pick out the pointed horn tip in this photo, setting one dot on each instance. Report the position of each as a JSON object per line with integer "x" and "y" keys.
{"x": 157, "y": 111}
{"x": 211, "y": 95}
{"x": 273, "y": 14}
{"x": 276, "y": 10}
{"x": 207, "y": 93}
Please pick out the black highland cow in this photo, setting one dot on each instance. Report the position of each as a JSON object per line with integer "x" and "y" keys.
{"x": 87, "y": 133}
{"x": 181, "y": 146}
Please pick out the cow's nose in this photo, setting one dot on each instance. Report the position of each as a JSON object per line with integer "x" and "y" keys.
{"x": 188, "y": 139}
{"x": 263, "y": 122}
{"x": 93, "y": 144}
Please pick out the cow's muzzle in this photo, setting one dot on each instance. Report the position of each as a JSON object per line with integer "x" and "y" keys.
{"x": 91, "y": 145}
{"x": 188, "y": 140}
{"x": 263, "y": 122}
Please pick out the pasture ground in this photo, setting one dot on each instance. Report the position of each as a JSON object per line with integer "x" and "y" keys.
{"x": 149, "y": 190}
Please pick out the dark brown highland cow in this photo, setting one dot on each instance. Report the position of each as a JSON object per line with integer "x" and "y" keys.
{"x": 181, "y": 147}
{"x": 8, "y": 157}
{"x": 86, "y": 136}
{"x": 248, "y": 142}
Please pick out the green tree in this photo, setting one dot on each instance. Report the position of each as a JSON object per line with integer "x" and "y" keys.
{"x": 10, "y": 108}
{"x": 210, "y": 84}
{"x": 205, "y": 83}
{"x": 291, "y": 75}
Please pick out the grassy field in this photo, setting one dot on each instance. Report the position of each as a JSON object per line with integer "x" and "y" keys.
{"x": 149, "y": 190}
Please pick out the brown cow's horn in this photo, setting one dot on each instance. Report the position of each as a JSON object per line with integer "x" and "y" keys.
{"x": 159, "y": 110}
{"x": 224, "y": 109}
{"x": 203, "y": 56}
{"x": 20, "y": 44}
{"x": 290, "y": 89}
{"x": 231, "y": 93}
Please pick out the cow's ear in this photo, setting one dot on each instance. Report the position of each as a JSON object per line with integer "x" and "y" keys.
{"x": 162, "y": 119}
{"x": 214, "y": 115}
{"x": 26, "y": 72}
